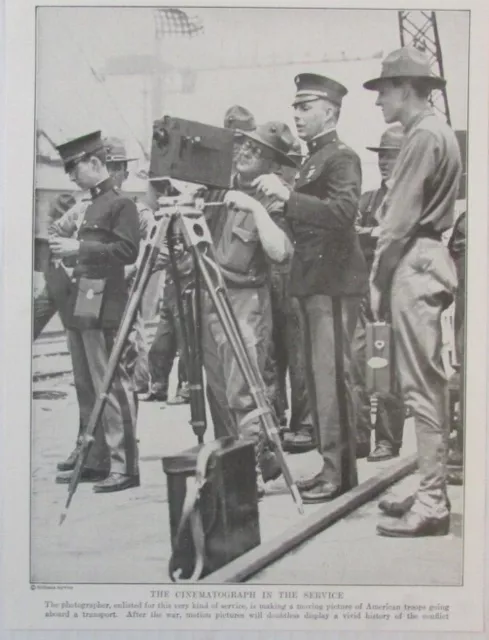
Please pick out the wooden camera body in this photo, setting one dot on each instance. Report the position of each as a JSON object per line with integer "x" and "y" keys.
{"x": 191, "y": 152}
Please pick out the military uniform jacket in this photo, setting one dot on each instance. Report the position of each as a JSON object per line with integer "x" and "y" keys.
{"x": 322, "y": 211}
{"x": 109, "y": 239}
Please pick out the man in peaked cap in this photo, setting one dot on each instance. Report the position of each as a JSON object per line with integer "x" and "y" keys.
{"x": 328, "y": 275}
{"x": 246, "y": 235}
{"x": 414, "y": 275}
{"x": 107, "y": 241}
{"x": 68, "y": 226}
{"x": 390, "y": 413}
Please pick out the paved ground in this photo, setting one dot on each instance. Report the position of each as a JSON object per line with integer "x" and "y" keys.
{"x": 124, "y": 537}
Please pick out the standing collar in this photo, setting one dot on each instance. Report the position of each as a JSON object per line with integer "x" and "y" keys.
{"x": 417, "y": 118}
{"x": 102, "y": 187}
{"x": 322, "y": 140}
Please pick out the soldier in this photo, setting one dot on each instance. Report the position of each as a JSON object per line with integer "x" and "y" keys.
{"x": 239, "y": 119}
{"x": 414, "y": 275}
{"x": 68, "y": 226}
{"x": 298, "y": 435}
{"x": 107, "y": 241}
{"x": 328, "y": 275}
{"x": 390, "y": 413}
{"x": 245, "y": 237}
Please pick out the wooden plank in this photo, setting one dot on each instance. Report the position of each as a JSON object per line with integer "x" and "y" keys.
{"x": 258, "y": 558}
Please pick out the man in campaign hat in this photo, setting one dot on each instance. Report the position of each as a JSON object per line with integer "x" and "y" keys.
{"x": 246, "y": 235}
{"x": 107, "y": 240}
{"x": 239, "y": 119}
{"x": 390, "y": 411}
{"x": 328, "y": 274}
{"x": 414, "y": 275}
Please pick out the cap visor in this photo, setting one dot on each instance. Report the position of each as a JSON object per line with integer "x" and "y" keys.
{"x": 377, "y": 149}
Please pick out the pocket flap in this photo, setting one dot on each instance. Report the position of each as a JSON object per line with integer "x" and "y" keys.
{"x": 95, "y": 286}
{"x": 244, "y": 234}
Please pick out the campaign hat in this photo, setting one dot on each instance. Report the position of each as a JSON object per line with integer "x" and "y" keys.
{"x": 238, "y": 117}
{"x": 407, "y": 62}
{"x": 115, "y": 150}
{"x": 75, "y": 150}
{"x": 312, "y": 86}
{"x": 391, "y": 139}
{"x": 276, "y": 136}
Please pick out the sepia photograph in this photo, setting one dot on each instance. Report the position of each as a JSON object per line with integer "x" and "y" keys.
{"x": 249, "y": 296}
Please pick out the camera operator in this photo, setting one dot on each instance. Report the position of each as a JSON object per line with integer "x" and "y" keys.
{"x": 246, "y": 237}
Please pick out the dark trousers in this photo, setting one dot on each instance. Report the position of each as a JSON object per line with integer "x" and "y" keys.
{"x": 115, "y": 447}
{"x": 167, "y": 342}
{"x": 287, "y": 354}
{"x": 328, "y": 325}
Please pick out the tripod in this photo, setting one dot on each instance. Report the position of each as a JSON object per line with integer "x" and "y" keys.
{"x": 188, "y": 213}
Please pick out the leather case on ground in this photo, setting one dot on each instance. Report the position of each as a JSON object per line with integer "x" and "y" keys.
{"x": 379, "y": 358}
{"x": 228, "y": 505}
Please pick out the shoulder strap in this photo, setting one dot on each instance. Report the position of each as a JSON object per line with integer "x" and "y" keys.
{"x": 191, "y": 513}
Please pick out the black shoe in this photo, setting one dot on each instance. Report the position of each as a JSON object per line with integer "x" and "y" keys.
{"x": 362, "y": 450}
{"x": 87, "y": 475}
{"x": 383, "y": 451}
{"x": 413, "y": 525}
{"x": 300, "y": 441}
{"x": 310, "y": 483}
{"x": 396, "y": 508}
{"x": 116, "y": 482}
{"x": 70, "y": 462}
{"x": 321, "y": 492}
{"x": 154, "y": 397}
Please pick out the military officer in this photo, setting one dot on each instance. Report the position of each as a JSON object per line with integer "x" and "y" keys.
{"x": 107, "y": 241}
{"x": 245, "y": 237}
{"x": 390, "y": 412}
{"x": 328, "y": 275}
{"x": 414, "y": 275}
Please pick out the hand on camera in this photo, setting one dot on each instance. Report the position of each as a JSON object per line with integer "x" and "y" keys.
{"x": 271, "y": 185}
{"x": 241, "y": 201}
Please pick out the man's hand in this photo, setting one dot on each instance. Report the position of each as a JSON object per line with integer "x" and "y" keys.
{"x": 271, "y": 185}
{"x": 241, "y": 201}
{"x": 64, "y": 247}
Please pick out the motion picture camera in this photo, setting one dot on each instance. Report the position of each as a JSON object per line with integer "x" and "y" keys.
{"x": 191, "y": 152}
